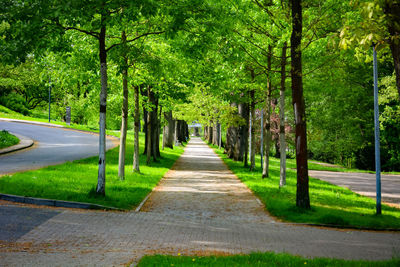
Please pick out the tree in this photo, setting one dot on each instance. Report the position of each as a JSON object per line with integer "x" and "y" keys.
{"x": 302, "y": 194}
{"x": 374, "y": 23}
{"x": 282, "y": 141}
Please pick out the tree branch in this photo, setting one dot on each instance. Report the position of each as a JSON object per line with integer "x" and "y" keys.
{"x": 134, "y": 39}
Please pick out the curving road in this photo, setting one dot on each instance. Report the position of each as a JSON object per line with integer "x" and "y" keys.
{"x": 364, "y": 184}
{"x": 53, "y": 145}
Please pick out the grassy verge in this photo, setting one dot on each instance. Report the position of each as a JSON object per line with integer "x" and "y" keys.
{"x": 9, "y": 114}
{"x": 7, "y": 139}
{"x": 257, "y": 259}
{"x": 331, "y": 204}
{"x": 76, "y": 181}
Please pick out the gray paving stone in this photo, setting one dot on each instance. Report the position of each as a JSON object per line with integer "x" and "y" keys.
{"x": 199, "y": 208}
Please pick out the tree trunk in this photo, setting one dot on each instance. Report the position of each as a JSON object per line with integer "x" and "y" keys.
{"x": 169, "y": 130}
{"x": 124, "y": 122}
{"x": 282, "y": 140}
{"x": 215, "y": 134}
{"x": 145, "y": 122}
{"x": 148, "y": 133}
{"x": 176, "y": 132}
{"x": 101, "y": 180}
{"x": 265, "y": 173}
{"x": 244, "y": 133}
{"x": 137, "y": 126}
{"x": 252, "y": 132}
{"x": 302, "y": 194}
{"x": 233, "y": 140}
{"x": 155, "y": 129}
{"x": 210, "y": 133}
{"x": 186, "y": 131}
{"x": 219, "y": 135}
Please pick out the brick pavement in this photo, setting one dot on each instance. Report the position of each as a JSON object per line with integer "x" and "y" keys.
{"x": 199, "y": 208}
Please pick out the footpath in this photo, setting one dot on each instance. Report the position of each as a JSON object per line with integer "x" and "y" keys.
{"x": 199, "y": 208}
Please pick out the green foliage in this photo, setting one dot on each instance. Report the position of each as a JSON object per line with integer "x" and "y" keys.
{"x": 202, "y": 62}
{"x": 7, "y": 139}
{"x": 21, "y": 87}
{"x": 257, "y": 259}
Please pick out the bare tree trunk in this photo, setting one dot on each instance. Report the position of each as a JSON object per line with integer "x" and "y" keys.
{"x": 210, "y": 133}
{"x": 243, "y": 110}
{"x": 215, "y": 134}
{"x": 282, "y": 140}
{"x": 148, "y": 145}
{"x": 265, "y": 173}
{"x": 252, "y": 133}
{"x": 219, "y": 135}
{"x": 101, "y": 180}
{"x": 136, "y": 135}
{"x": 302, "y": 194}
{"x": 155, "y": 129}
{"x": 163, "y": 138}
{"x": 124, "y": 122}
{"x": 169, "y": 130}
{"x": 176, "y": 132}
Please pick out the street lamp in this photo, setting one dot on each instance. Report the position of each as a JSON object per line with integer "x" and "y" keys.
{"x": 377, "y": 146}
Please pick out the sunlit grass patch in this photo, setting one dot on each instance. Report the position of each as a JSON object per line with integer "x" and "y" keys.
{"x": 330, "y": 204}
{"x": 77, "y": 180}
{"x": 257, "y": 259}
{"x": 7, "y": 139}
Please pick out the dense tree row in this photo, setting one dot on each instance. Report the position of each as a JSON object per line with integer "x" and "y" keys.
{"x": 228, "y": 65}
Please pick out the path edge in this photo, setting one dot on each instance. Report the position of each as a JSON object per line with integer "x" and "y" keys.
{"x": 55, "y": 203}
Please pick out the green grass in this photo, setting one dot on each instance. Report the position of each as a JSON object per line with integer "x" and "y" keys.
{"x": 257, "y": 259}
{"x": 9, "y": 114}
{"x": 7, "y": 139}
{"x": 331, "y": 204}
{"x": 77, "y": 180}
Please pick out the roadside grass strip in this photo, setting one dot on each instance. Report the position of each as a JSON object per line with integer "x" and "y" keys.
{"x": 7, "y": 139}
{"x": 258, "y": 259}
{"x": 77, "y": 180}
{"x": 330, "y": 204}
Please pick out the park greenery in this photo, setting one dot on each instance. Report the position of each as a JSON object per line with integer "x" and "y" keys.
{"x": 332, "y": 205}
{"x": 256, "y": 259}
{"x": 157, "y": 66}
{"x": 7, "y": 139}
{"x": 73, "y": 181}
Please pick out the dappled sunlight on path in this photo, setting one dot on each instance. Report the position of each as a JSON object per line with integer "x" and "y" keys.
{"x": 201, "y": 185}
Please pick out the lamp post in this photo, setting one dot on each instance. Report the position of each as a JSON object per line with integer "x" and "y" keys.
{"x": 262, "y": 137}
{"x": 377, "y": 146}
{"x": 49, "y": 97}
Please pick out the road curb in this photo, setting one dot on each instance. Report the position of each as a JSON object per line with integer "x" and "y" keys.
{"x": 344, "y": 227}
{"x": 24, "y": 142}
{"x": 55, "y": 203}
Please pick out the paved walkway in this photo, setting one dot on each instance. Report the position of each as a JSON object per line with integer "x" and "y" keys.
{"x": 364, "y": 184}
{"x": 199, "y": 208}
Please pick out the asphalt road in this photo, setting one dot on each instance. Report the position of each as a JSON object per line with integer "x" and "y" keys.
{"x": 364, "y": 183}
{"x": 52, "y": 146}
